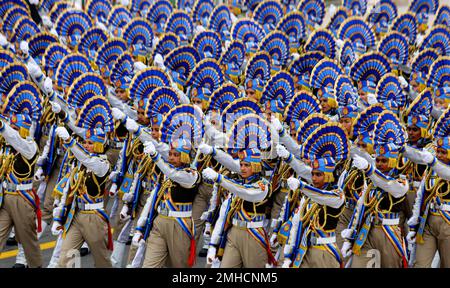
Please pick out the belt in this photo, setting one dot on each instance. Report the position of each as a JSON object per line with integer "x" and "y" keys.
{"x": 89, "y": 206}
{"x": 387, "y": 222}
{"x": 116, "y": 145}
{"x": 442, "y": 207}
{"x": 247, "y": 224}
{"x": 175, "y": 214}
{"x": 322, "y": 240}
{"x": 17, "y": 187}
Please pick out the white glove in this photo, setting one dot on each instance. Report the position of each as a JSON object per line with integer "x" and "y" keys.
{"x": 62, "y": 133}
{"x": 293, "y": 183}
{"x": 24, "y": 47}
{"x": 332, "y": 10}
{"x": 139, "y": 66}
{"x": 113, "y": 175}
{"x": 287, "y": 263}
{"x": 273, "y": 240}
{"x": 276, "y": 124}
{"x": 428, "y": 157}
{"x": 34, "y": 70}
{"x": 56, "y": 108}
{"x": 403, "y": 82}
{"x": 419, "y": 39}
{"x": 414, "y": 220}
{"x": 372, "y": 99}
{"x": 346, "y": 249}
{"x": 210, "y": 174}
{"x": 205, "y": 149}
{"x": 131, "y": 125}
{"x": 48, "y": 86}
{"x": 128, "y": 198}
{"x": 282, "y": 151}
{"x": 3, "y": 40}
{"x": 411, "y": 237}
{"x": 117, "y": 114}
{"x": 360, "y": 163}
{"x": 347, "y": 233}
{"x": 149, "y": 148}
{"x": 46, "y": 21}
{"x": 137, "y": 238}
{"x": 38, "y": 177}
{"x": 124, "y": 213}
{"x": 159, "y": 61}
{"x": 211, "y": 254}
{"x": 56, "y": 228}
{"x": 113, "y": 190}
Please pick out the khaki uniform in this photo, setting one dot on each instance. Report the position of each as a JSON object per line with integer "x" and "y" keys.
{"x": 436, "y": 238}
{"x": 166, "y": 245}
{"x": 242, "y": 251}
{"x": 16, "y": 212}
{"x": 86, "y": 226}
{"x": 378, "y": 244}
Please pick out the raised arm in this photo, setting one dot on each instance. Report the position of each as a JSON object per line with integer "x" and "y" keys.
{"x": 98, "y": 165}
{"x": 26, "y": 147}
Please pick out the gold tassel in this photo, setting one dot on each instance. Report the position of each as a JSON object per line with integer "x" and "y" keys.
{"x": 329, "y": 178}
{"x": 332, "y": 102}
{"x": 98, "y": 147}
{"x": 185, "y": 158}
{"x": 256, "y": 167}
{"x": 23, "y": 132}
{"x": 392, "y": 162}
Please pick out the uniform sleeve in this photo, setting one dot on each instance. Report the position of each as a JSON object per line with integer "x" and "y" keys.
{"x": 186, "y": 178}
{"x": 441, "y": 169}
{"x": 98, "y": 165}
{"x": 254, "y": 192}
{"x": 415, "y": 155}
{"x": 26, "y": 147}
{"x": 396, "y": 187}
{"x": 333, "y": 198}
{"x": 300, "y": 168}
{"x": 226, "y": 160}
{"x": 161, "y": 147}
{"x": 290, "y": 144}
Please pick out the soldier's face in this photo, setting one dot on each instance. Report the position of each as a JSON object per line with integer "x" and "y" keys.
{"x": 142, "y": 118}
{"x": 382, "y": 164}
{"x": 175, "y": 158}
{"x": 442, "y": 155}
{"x": 246, "y": 170}
{"x": 88, "y": 145}
{"x": 318, "y": 178}
{"x": 347, "y": 123}
{"x": 414, "y": 134}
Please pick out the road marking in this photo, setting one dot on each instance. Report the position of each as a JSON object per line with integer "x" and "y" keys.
{"x": 13, "y": 253}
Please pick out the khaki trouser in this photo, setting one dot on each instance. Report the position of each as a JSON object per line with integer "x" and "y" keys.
{"x": 167, "y": 242}
{"x": 47, "y": 210}
{"x": 343, "y": 222}
{"x": 17, "y": 212}
{"x": 319, "y": 258}
{"x": 377, "y": 244}
{"x": 243, "y": 251}
{"x": 436, "y": 238}
{"x": 200, "y": 205}
{"x": 89, "y": 228}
